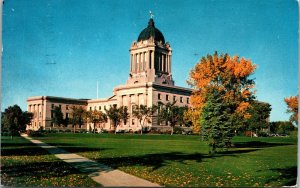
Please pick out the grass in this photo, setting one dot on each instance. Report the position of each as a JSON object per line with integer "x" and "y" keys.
{"x": 180, "y": 160}
{"x": 24, "y": 164}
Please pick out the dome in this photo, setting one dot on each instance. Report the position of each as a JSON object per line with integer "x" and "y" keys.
{"x": 151, "y": 31}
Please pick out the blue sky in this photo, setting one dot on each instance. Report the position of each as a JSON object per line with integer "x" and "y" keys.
{"x": 62, "y": 47}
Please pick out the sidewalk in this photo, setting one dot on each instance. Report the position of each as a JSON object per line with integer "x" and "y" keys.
{"x": 100, "y": 173}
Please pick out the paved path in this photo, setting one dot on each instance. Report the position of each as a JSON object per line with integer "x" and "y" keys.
{"x": 100, "y": 173}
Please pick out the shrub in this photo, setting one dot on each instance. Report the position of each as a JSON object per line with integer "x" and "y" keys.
{"x": 262, "y": 134}
{"x": 32, "y": 133}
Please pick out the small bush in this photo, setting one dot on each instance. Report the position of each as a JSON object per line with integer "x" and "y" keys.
{"x": 262, "y": 134}
{"x": 36, "y": 133}
{"x": 104, "y": 131}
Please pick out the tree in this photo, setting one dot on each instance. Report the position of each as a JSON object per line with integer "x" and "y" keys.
{"x": 172, "y": 114}
{"x": 192, "y": 116}
{"x": 259, "y": 114}
{"x": 14, "y": 120}
{"x": 143, "y": 114}
{"x": 281, "y": 127}
{"x": 124, "y": 114}
{"x": 114, "y": 115}
{"x": 58, "y": 117}
{"x": 95, "y": 117}
{"x": 215, "y": 121}
{"x": 77, "y": 116}
{"x": 228, "y": 76}
{"x": 292, "y": 104}
{"x": 87, "y": 117}
{"x": 102, "y": 119}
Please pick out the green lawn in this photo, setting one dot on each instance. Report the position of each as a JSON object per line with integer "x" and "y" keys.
{"x": 179, "y": 160}
{"x": 24, "y": 164}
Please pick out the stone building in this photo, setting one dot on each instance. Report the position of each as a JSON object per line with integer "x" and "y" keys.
{"x": 149, "y": 82}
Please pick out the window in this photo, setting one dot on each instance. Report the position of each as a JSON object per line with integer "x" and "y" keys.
{"x": 40, "y": 114}
{"x": 181, "y": 99}
{"x": 52, "y": 106}
{"x": 90, "y": 108}
{"x": 67, "y": 107}
{"x": 115, "y": 106}
{"x": 159, "y": 96}
{"x": 95, "y": 107}
{"x": 188, "y": 100}
{"x": 174, "y": 98}
{"x": 99, "y": 107}
{"x": 60, "y": 106}
{"x": 167, "y": 97}
{"x": 67, "y": 115}
{"x": 104, "y": 107}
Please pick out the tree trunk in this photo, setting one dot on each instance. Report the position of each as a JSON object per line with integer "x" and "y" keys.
{"x": 141, "y": 127}
{"x": 172, "y": 130}
{"x": 94, "y": 128}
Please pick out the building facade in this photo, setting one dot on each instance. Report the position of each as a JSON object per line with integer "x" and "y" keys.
{"x": 149, "y": 82}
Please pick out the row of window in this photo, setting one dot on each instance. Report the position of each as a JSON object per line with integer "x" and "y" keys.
{"x": 67, "y": 115}
{"x": 100, "y": 107}
{"x": 67, "y": 106}
{"x": 159, "y": 96}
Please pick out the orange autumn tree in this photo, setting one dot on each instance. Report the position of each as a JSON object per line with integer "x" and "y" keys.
{"x": 228, "y": 79}
{"x": 292, "y": 104}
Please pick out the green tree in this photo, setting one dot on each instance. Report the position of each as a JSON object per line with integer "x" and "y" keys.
{"x": 14, "y": 120}
{"x": 58, "y": 117}
{"x": 113, "y": 113}
{"x": 143, "y": 114}
{"x": 172, "y": 114}
{"x": 259, "y": 115}
{"x": 281, "y": 127}
{"x": 95, "y": 117}
{"x": 77, "y": 116}
{"x": 229, "y": 77}
{"x": 102, "y": 119}
{"x": 215, "y": 122}
{"x": 124, "y": 114}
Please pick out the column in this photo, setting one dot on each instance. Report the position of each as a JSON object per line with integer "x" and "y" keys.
{"x": 170, "y": 63}
{"x": 159, "y": 65}
{"x": 141, "y": 62}
{"x": 130, "y": 62}
{"x": 144, "y": 61}
{"x": 164, "y": 63}
{"x": 152, "y": 59}
{"x": 137, "y": 62}
{"x": 148, "y": 62}
{"x": 133, "y": 62}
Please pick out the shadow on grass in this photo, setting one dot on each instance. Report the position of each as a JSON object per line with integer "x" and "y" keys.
{"x": 31, "y": 149}
{"x": 287, "y": 175}
{"x": 15, "y": 144}
{"x": 158, "y": 160}
{"x": 39, "y": 170}
{"x": 257, "y": 144}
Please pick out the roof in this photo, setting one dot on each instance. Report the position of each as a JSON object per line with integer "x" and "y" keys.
{"x": 151, "y": 31}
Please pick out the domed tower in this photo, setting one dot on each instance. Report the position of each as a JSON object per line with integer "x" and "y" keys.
{"x": 150, "y": 58}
